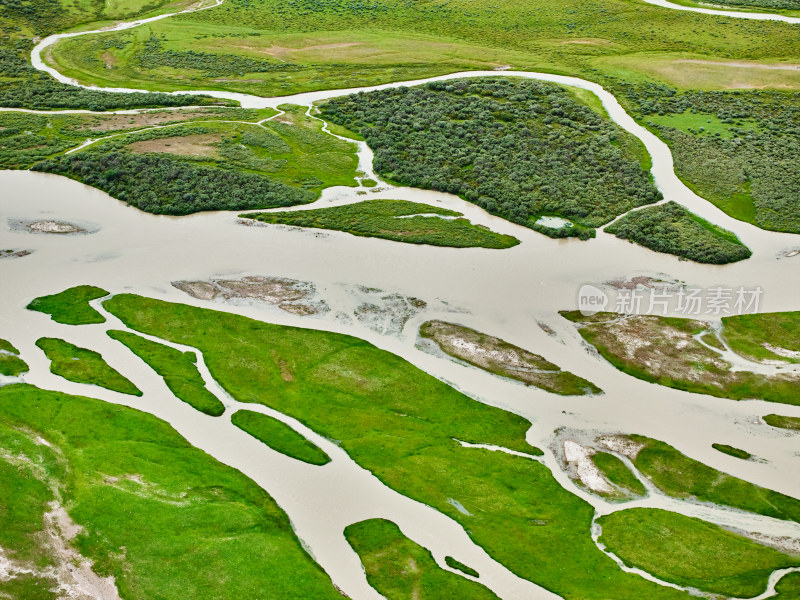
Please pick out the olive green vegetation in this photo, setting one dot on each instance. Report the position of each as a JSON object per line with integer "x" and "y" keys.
{"x": 792, "y": 423}
{"x": 754, "y": 336}
{"x": 788, "y": 588}
{"x": 397, "y": 220}
{"x": 178, "y": 369}
{"x": 673, "y": 229}
{"x": 679, "y": 476}
{"x": 504, "y": 359}
{"x": 279, "y": 436}
{"x": 737, "y": 149}
{"x": 518, "y": 148}
{"x": 11, "y": 365}
{"x": 278, "y": 47}
{"x": 731, "y": 451}
{"x": 399, "y": 569}
{"x": 663, "y": 362}
{"x": 197, "y": 166}
{"x": 71, "y": 306}
{"x": 84, "y": 366}
{"x": 404, "y": 425}
{"x": 459, "y": 566}
{"x": 163, "y": 518}
{"x": 26, "y": 139}
{"x": 618, "y": 473}
{"x": 716, "y": 560}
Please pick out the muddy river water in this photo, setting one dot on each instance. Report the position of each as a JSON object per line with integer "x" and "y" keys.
{"x": 505, "y": 293}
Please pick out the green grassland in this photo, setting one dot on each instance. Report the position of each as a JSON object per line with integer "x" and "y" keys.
{"x": 679, "y": 476}
{"x": 197, "y": 166}
{"x": 84, "y": 366}
{"x": 162, "y": 517}
{"x": 617, "y": 473}
{"x": 788, "y": 588}
{"x": 662, "y": 361}
{"x": 673, "y": 229}
{"x": 400, "y": 569}
{"x": 402, "y": 425}
{"x": 71, "y": 306}
{"x": 791, "y": 423}
{"x": 177, "y": 368}
{"x": 459, "y": 566}
{"x": 732, "y": 451}
{"x": 279, "y": 436}
{"x": 520, "y": 149}
{"x": 11, "y": 365}
{"x": 715, "y": 561}
{"x": 273, "y": 48}
{"x": 748, "y": 335}
{"x": 397, "y": 220}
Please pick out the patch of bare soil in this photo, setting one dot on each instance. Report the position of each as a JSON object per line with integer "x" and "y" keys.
{"x": 187, "y": 145}
{"x": 740, "y": 64}
{"x": 48, "y": 226}
{"x": 145, "y": 119}
{"x": 385, "y": 313}
{"x": 296, "y": 297}
{"x": 14, "y": 253}
{"x": 284, "y": 53}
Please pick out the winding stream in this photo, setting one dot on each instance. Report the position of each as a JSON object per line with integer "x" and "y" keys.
{"x": 504, "y": 293}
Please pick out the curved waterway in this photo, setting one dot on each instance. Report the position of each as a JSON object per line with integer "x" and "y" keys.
{"x": 721, "y": 12}
{"x": 506, "y": 293}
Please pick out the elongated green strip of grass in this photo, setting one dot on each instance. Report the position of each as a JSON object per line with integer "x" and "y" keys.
{"x": 279, "y": 436}
{"x": 84, "y": 366}
{"x": 165, "y": 519}
{"x": 715, "y": 560}
{"x": 11, "y": 365}
{"x": 678, "y": 475}
{"x": 178, "y": 370}
{"x": 6, "y": 346}
{"x": 458, "y": 565}
{"x": 399, "y": 568}
{"x": 71, "y": 306}
{"x": 401, "y": 424}
{"x": 617, "y": 473}
{"x": 730, "y": 450}
{"x": 397, "y": 220}
{"x": 792, "y": 423}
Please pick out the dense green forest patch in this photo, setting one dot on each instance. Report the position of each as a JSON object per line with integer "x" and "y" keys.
{"x": 504, "y": 359}
{"x": 82, "y": 365}
{"x": 520, "y": 149}
{"x": 11, "y": 365}
{"x": 177, "y": 368}
{"x": 279, "y": 436}
{"x": 744, "y": 158}
{"x": 673, "y": 229}
{"x": 732, "y": 451}
{"x": 679, "y": 476}
{"x": 664, "y": 350}
{"x": 397, "y": 220}
{"x": 399, "y": 568}
{"x": 193, "y": 166}
{"x": 618, "y": 473}
{"x": 716, "y": 561}
{"x": 792, "y": 423}
{"x": 401, "y": 424}
{"x": 144, "y": 496}
{"x": 71, "y": 306}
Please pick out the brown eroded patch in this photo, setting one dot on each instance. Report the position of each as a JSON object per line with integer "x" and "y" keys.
{"x": 109, "y": 60}
{"x": 187, "y": 145}
{"x": 588, "y": 42}
{"x": 145, "y": 119}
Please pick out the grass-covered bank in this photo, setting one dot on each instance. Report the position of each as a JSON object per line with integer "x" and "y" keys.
{"x": 162, "y": 517}
{"x": 82, "y": 365}
{"x": 790, "y": 423}
{"x": 664, "y": 350}
{"x": 397, "y": 220}
{"x": 715, "y": 561}
{"x": 673, "y": 229}
{"x": 402, "y": 425}
{"x": 618, "y": 473}
{"x": 520, "y": 149}
{"x": 400, "y": 569}
{"x": 71, "y": 306}
{"x": 11, "y": 365}
{"x": 279, "y": 436}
